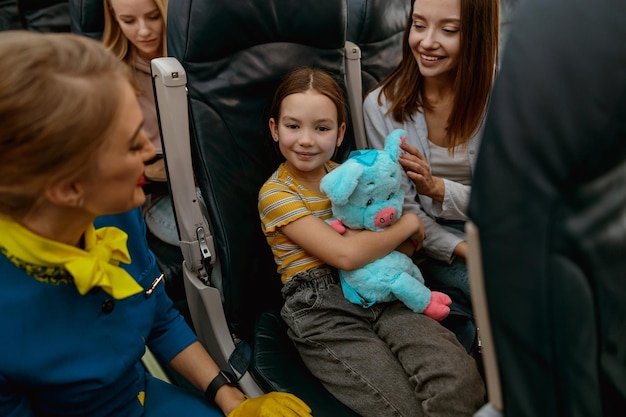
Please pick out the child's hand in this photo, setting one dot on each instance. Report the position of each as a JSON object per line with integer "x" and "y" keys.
{"x": 407, "y": 247}
{"x": 419, "y": 237}
{"x": 417, "y": 244}
{"x": 411, "y": 221}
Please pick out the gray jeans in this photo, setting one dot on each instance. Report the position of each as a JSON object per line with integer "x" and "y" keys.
{"x": 385, "y": 360}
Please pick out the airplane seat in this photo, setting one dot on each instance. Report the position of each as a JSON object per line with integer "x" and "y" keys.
{"x": 35, "y": 15}
{"x": 377, "y": 26}
{"x": 549, "y": 200}
{"x": 373, "y": 49}
{"x": 494, "y": 407}
{"x": 87, "y": 18}
{"x": 228, "y": 58}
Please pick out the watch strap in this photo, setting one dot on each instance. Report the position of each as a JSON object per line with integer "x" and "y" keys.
{"x": 223, "y": 378}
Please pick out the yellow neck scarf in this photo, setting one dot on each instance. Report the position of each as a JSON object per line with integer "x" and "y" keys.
{"x": 95, "y": 266}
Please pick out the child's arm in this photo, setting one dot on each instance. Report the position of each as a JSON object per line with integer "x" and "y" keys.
{"x": 353, "y": 250}
{"x": 408, "y": 247}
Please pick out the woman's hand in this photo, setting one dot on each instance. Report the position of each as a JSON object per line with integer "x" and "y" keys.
{"x": 273, "y": 404}
{"x": 418, "y": 170}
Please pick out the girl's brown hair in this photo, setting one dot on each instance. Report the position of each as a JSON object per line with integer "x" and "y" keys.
{"x": 59, "y": 97}
{"x": 304, "y": 79}
{"x": 473, "y": 78}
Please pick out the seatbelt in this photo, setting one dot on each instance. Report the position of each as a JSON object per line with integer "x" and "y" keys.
{"x": 355, "y": 92}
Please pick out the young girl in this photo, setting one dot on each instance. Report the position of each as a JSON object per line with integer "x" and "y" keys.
{"x": 382, "y": 361}
{"x": 438, "y": 94}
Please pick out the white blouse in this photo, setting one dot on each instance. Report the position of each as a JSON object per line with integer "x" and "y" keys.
{"x": 455, "y": 167}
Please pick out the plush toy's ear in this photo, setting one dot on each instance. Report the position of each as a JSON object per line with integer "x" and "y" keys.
{"x": 393, "y": 141}
{"x": 339, "y": 183}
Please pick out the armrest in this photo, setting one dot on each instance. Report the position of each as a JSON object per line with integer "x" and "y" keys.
{"x": 196, "y": 241}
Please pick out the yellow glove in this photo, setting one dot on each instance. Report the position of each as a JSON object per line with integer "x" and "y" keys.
{"x": 274, "y": 404}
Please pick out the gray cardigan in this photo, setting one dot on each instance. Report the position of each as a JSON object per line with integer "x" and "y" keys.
{"x": 440, "y": 240}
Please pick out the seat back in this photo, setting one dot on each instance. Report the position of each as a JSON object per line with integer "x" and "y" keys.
{"x": 481, "y": 313}
{"x": 87, "y": 17}
{"x": 376, "y": 27}
{"x": 44, "y": 15}
{"x": 373, "y": 49}
{"x": 233, "y": 56}
{"x": 549, "y": 200}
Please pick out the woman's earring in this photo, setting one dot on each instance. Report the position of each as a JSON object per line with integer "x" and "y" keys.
{"x": 81, "y": 202}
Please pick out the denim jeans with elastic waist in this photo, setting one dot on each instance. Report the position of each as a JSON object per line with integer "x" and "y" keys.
{"x": 381, "y": 361}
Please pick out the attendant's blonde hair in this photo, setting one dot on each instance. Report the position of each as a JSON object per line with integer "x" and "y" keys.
{"x": 59, "y": 97}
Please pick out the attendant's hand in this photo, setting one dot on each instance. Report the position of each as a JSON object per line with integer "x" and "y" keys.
{"x": 273, "y": 404}
{"x": 418, "y": 171}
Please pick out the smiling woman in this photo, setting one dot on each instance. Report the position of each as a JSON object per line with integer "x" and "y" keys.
{"x": 438, "y": 94}
{"x": 436, "y": 41}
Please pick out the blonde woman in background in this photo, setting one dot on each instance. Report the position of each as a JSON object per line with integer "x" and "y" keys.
{"x": 134, "y": 30}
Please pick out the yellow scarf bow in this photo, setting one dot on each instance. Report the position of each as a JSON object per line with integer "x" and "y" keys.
{"x": 95, "y": 266}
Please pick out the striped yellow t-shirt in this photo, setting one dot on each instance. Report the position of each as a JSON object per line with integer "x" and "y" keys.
{"x": 283, "y": 200}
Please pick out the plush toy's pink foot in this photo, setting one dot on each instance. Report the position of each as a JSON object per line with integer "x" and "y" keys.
{"x": 438, "y": 308}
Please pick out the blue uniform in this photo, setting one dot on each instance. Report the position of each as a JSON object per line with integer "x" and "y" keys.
{"x": 64, "y": 354}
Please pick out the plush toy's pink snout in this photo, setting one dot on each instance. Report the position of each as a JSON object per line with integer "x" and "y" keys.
{"x": 385, "y": 217}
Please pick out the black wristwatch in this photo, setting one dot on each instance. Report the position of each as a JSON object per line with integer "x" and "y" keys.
{"x": 223, "y": 378}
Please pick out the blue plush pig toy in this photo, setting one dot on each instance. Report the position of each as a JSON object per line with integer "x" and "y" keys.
{"x": 366, "y": 193}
